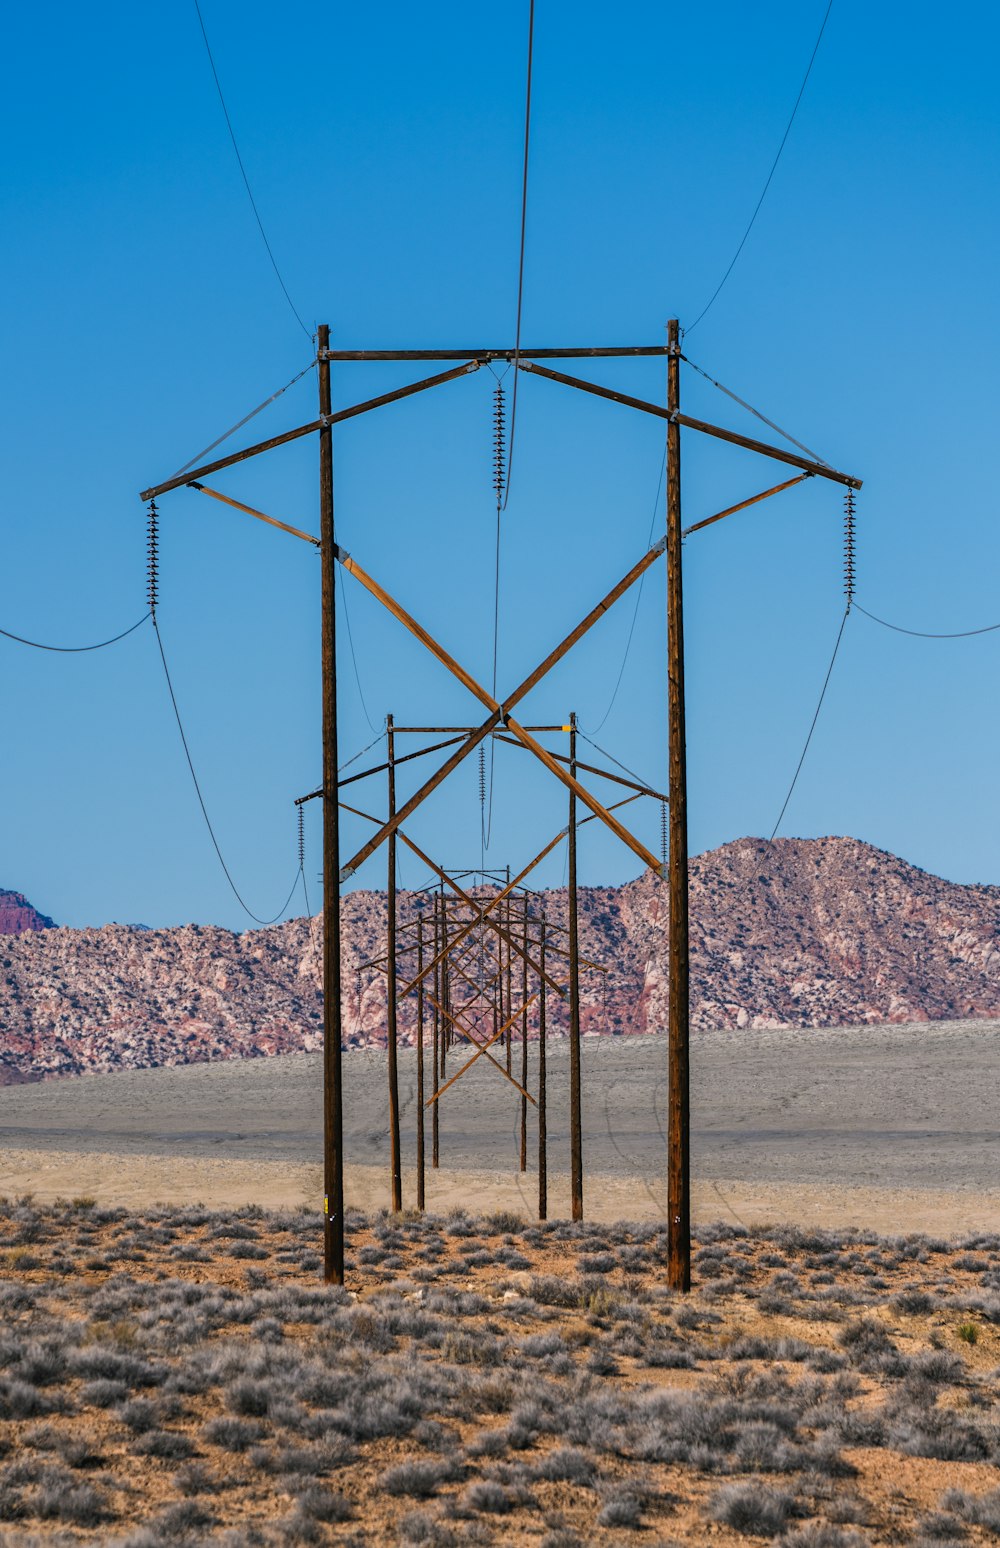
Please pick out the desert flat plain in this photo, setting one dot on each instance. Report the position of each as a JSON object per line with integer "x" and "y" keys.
{"x": 891, "y": 1127}
{"x": 173, "y": 1370}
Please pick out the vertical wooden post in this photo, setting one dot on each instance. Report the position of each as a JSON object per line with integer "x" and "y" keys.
{"x": 391, "y": 1006}
{"x": 436, "y": 1069}
{"x": 333, "y": 1110}
{"x": 445, "y": 991}
{"x": 420, "y": 1063}
{"x": 575, "y": 1119}
{"x": 509, "y": 924}
{"x": 543, "y": 1172}
{"x": 524, "y": 1041}
{"x": 678, "y": 1124}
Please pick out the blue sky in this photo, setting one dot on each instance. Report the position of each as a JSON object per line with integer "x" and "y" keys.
{"x": 383, "y": 143}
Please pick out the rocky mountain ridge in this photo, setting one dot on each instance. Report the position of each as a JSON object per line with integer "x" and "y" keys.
{"x": 795, "y": 932}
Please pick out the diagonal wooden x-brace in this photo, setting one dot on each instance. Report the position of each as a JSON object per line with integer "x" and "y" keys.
{"x": 500, "y": 712}
{"x": 483, "y": 1048}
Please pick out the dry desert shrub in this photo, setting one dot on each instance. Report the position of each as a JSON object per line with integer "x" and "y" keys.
{"x": 521, "y": 1381}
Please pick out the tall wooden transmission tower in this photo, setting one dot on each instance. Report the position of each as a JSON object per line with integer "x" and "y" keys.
{"x": 500, "y": 714}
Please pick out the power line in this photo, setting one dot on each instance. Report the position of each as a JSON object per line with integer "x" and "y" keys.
{"x": 246, "y": 180}
{"x": 502, "y": 505}
{"x": 812, "y": 727}
{"x": 201, "y": 801}
{"x": 770, "y": 175}
{"x": 72, "y": 650}
{"x": 923, "y": 634}
{"x": 520, "y": 265}
{"x": 638, "y": 599}
{"x": 488, "y": 829}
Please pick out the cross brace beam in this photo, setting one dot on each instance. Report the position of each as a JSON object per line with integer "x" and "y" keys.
{"x": 500, "y": 713}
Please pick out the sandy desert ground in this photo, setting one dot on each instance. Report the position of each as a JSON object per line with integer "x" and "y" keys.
{"x": 891, "y": 1127}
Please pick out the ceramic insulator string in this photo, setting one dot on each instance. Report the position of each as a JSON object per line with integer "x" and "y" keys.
{"x": 302, "y": 840}
{"x": 849, "y": 547}
{"x": 664, "y": 831}
{"x": 153, "y": 557}
{"x": 499, "y": 442}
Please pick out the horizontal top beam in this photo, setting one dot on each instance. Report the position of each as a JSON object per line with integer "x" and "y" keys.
{"x": 493, "y": 354}
{"x": 463, "y": 730}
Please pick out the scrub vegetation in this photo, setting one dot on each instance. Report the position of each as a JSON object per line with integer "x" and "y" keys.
{"x": 184, "y": 1377}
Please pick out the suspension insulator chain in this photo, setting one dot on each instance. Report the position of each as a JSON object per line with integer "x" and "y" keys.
{"x": 849, "y": 546}
{"x": 153, "y": 557}
{"x": 302, "y": 841}
{"x": 482, "y": 775}
{"x": 499, "y": 442}
{"x": 664, "y": 831}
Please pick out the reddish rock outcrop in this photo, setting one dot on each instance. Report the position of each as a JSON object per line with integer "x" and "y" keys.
{"x": 17, "y": 915}
{"x": 796, "y": 932}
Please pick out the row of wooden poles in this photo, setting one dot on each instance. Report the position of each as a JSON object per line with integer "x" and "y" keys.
{"x": 484, "y": 992}
{"x": 505, "y": 943}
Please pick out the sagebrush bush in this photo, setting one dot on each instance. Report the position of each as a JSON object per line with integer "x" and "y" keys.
{"x": 752, "y": 1508}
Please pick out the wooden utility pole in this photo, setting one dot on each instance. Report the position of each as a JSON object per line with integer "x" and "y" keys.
{"x": 575, "y": 1119}
{"x": 391, "y": 1020}
{"x": 333, "y": 1109}
{"x": 524, "y": 1042}
{"x": 438, "y": 1018}
{"x": 420, "y": 1063}
{"x": 678, "y": 1120}
{"x": 543, "y": 1173}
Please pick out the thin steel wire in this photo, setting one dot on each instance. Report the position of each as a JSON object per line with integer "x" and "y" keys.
{"x": 638, "y": 599}
{"x": 246, "y": 180}
{"x": 812, "y": 726}
{"x": 367, "y": 748}
{"x": 496, "y": 637}
{"x": 73, "y": 650}
{"x": 774, "y": 167}
{"x": 354, "y": 659}
{"x": 755, "y": 412}
{"x": 204, "y": 809}
{"x": 924, "y": 634}
{"x": 520, "y": 264}
{"x": 610, "y": 756}
{"x": 244, "y": 421}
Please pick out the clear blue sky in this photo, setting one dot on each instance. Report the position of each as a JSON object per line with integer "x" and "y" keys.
{"x": 141, "y": 318}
